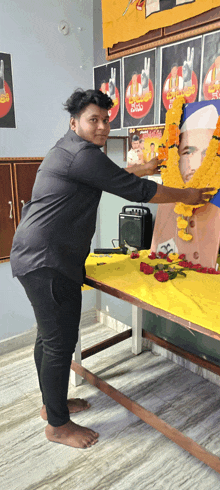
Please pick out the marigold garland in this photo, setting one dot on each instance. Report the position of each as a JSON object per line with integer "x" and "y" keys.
{"x": 207, "y": 175}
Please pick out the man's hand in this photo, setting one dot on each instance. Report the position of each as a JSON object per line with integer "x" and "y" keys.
{"x": 197, "y": 196}
{"x": 152, "y": 167}
{"x": 188, "y": 66}
{"x": 149, "y": 168}
{"x": 186, "y": 196}
{"x": 112, "y": 83}
{"x": 145, "y": 74}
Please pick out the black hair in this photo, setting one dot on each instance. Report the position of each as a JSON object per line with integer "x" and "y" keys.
{"x": 80, "y": 99}
{"x": 174, "y": 64}
{"x": 134, "y": 73}
{"x": 135, "y": 137}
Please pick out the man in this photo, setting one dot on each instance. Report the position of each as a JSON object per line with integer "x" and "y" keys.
{"x": 174, "y": 81}
{"x": 204, "y": 226}
{"x": 213, "y": 75}
{"x": 135, "y": 155}
{"x": 135, "y": 89}
{"x": 143, "y": 150}
{"x": 53, "y": 240}
{"x": 152, "y": 153}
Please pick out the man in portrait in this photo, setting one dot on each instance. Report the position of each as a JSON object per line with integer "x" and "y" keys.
{"x": 135, "y": 154}
{"x": 204, "y": 225}
{"x": 152, "y": 153}
{"x": 213, "y": 75}
{"x": 174, "y": 81}
{"x": 135, "y": 88}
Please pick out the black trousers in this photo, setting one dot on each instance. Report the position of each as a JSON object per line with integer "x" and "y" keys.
{"x": 56, "y": 301}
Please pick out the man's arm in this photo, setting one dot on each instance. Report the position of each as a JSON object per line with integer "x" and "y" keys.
{"x": 187, "y": 196}
{"x": 169, "y": 194}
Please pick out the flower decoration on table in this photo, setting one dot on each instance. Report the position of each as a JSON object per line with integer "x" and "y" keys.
{"x": 207, "y": 175}
{"x": 164, "y": 272}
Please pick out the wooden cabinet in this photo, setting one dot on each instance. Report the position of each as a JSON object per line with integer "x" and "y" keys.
{"x": 17, "y": 177}
{"x": 24, "y": 177}
{"x": 7, "y": 210}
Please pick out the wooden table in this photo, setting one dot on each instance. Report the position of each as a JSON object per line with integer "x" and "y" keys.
{"x": 137, "y": 334}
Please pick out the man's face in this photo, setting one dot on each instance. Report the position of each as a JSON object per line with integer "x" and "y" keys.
{"x": 135, "y": 145}
{"x": 92, "y": 124}
{"x": 152, "y": 147}
{"x": 174, "y": 71}
{"x": 192, "y": 150}
{"x": 141, "y": 145}
{"x": 134, "y": 79}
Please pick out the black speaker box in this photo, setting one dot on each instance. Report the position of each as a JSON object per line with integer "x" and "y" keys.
{"x": 135, "y": 227}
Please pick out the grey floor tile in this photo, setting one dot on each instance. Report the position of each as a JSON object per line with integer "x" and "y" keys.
{"x": 130, "y": 455}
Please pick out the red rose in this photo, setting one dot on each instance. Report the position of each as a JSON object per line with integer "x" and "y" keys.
{"x": 196, "y": 266}
{"x": 212, "y": 270}
{"x": 169, "y": 260}
{"x": 183, "y": 263}
{"x": 142, "y": 265}
{"x": 134, "y": 255}
{"x": 152, "y": 256}
{"x": 162, "y": 255}
{"x": 204, "y": 270}
{"x": 161, "y": 276}
{"x": 148, "y": 269}
{"x": 182, "y": 256}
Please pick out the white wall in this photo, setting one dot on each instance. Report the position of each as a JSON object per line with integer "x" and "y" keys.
{"x": 46, "y": 70}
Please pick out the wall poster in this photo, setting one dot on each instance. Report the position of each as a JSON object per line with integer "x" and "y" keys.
{"x": 180, "y": 73}
{"x": 7, "y": 112}
{"x": 139, "y": 89}
{"x": 211, "y": 67}
{"x": 107, "y": 78}
{"x": 143, "y": 146}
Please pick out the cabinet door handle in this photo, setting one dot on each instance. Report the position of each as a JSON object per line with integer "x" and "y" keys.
{"x": 10, "y": 214}
{"x": 22, "y": 202}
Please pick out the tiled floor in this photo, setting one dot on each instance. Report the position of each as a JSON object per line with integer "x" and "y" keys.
{"x": 130, "y": 454}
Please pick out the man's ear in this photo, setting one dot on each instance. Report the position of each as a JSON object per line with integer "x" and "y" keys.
{"x": 72, "y": 123}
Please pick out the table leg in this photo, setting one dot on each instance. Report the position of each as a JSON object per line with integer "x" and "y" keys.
{"x": 137, "y": 316}
{"x": 75, "y": 379}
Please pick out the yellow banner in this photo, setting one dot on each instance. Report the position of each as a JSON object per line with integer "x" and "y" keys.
{"x": 124, "y": 20}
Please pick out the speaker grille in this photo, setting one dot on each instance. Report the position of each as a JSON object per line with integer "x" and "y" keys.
{"x": 130, "y": 230}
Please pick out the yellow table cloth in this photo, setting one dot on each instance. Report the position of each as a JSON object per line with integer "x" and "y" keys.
{"x": 194, "y": 298}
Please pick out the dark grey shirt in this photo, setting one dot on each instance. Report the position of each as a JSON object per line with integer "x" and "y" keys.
{"x": 58, "y": 223}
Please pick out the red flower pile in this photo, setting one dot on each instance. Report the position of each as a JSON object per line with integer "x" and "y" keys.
{"x": 161, "y": 276}
{"x": 164, "y": 272}
{"x": 146, "y": 268}
{"x": 134, "y": 255}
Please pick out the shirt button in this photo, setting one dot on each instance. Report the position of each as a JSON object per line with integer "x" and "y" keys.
{"x": 196, "y": 255}
{"x": 192, "y": 223}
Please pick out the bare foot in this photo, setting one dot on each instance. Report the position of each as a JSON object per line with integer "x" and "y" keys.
{"x": 72, "y": 434}
{"x": 74, "y": 405}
